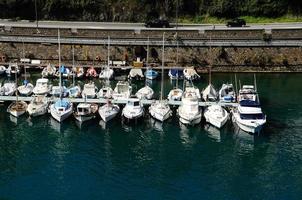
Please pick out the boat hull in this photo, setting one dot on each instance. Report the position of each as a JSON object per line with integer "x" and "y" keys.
{"x": 245, "y": 127}
{"x": 60, "y": 116}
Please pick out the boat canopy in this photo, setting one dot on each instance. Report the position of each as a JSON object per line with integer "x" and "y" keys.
{"x": 176, "y": 72}
{"x": 249, "y": 103}
{"x": 62, "y": 103}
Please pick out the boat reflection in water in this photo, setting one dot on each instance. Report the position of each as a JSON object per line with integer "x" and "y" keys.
{"x": 13, "y": 119}
{"x": 156, "y": 125}
{"x": 244, "y": 141}
{"x": 213, "y": 132}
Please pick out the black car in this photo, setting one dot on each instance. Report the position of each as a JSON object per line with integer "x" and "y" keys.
{"x": 236, "y": 23}
{"x": 157, "y": 23}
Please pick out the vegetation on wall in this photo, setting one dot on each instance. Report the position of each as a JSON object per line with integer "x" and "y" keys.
{"x": 141, "y": 10}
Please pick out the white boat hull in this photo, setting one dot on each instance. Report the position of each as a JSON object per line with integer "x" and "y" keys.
{"x": 33, "y": 112}
{"x": 217, "y": 122}
{"x": 107, "y": 113}
{"x": 84, "y": 118}
{"x": 60, "y": 116}
{"x": 190, "y": 121}
{"x": 247, "y": 127}
{"x": 160, "y": 111}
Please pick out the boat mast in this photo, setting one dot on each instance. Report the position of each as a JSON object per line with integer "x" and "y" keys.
{"x": 108, "y": 53}
{"x": 255, "y": 82}
{"x": 60, "y": 74}
{"x": 73, "y": 66}
{"x": 148, "y": 52}
{"x": 211, "y": 60}
{"x": 16, "y": 79}
{"x": 23, "y": 55}
{"x": 236, "y": 84}
{"x": 162, "y": 69}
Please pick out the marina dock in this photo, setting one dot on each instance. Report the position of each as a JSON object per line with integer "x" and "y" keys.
{"x": 103, "y": 101}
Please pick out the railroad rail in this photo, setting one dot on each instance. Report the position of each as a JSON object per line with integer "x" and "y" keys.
{"x": 155, "y": 42}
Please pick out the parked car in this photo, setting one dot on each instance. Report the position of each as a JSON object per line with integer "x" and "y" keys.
{"x": 236, "y": 23}
{"x": 157, "y": 23}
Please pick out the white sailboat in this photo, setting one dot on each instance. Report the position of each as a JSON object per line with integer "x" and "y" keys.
{"x": 107, "y": 72}
{"x": 49, "y": 71}
{"x": 75, "y": 90}
{"x": 42, "y": 87}
{"x": 62, "y": 108}
{"x": 175, "y": 74}
{"x": 38, "y": 106}
{"x": 122, "y": 91}
{"x": 12, "y": 69}
{"x": 17, "y": 108}
{"x": 105, "y": 92}
{"x": 8, "y": 89}
{"x": 133, "y": 109}
{"x": 248, "y": 115}
{"x": 145, "y": 93}
{"x": 161, "y": 110}
{"x": 108, "y": 111}
{"x": 27, "y": 88}
{"x": 86, "y": 111}
{"x": 227, "y": 93}
{"x": 89, "y": 90}
{"x": 216, "y": 115}
{"x": 189, "y": 111}
{"x": 2, "y": 69}
{"x": 150, "y": 73}
{"x": 190, "y": 73}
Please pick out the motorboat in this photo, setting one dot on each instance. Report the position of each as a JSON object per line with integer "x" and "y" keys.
{"x": 227, "y": 93}
{"x": 248, "y": 115}
{"x": 106, "y": 73}
{"x": 91, "y": 73}
{"x": 160, "y": 110}
{"x": 74, "y": 91}
{"x": 38, "y": 106}
{"x": 8, "y": 89}
{"x": 61, "y": 109}
{"x": 122, "y": 91}
{"x": 190, "y": 73}
{"x": 136, "y": 74}
{"x": 189, "y": 111}
{"x": 2, "y": 69}
{"x": 175, "y": 94}
{"x": 89, "y": 90}
{"x": 12, "y": 69}
{"x": 176, "y": 74}
{"x": 17, "y": 108}
{"x": 145, "y": 93}
{"x": 209, "y": 93}
{"x": 151, "y": 74}
{"x": 105, "y": 92}
{"x": 49, "y": 71}
{"x": 26, "y": 89}
{"x": 85, "y": 112}
{"x": 58, "y": 91}
{"x": 133, "y": 109}
{"x": 108, "y": 111}
{"x": 78, "y": 72}
{"x": 216, "y": 115}
{"x": 42, "y": 87}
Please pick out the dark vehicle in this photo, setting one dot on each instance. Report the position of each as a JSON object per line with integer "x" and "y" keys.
{"x": 157, "y": 23}
{"x": 236, "y": 23}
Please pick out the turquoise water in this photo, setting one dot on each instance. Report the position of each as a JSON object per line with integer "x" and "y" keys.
{"x": 42, "y": 159}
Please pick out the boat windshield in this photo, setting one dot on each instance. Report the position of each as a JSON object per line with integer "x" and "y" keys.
{"x": 136, "y": 103}
{"x": 252, "y": 116}
{"x": 122, "y": 88}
